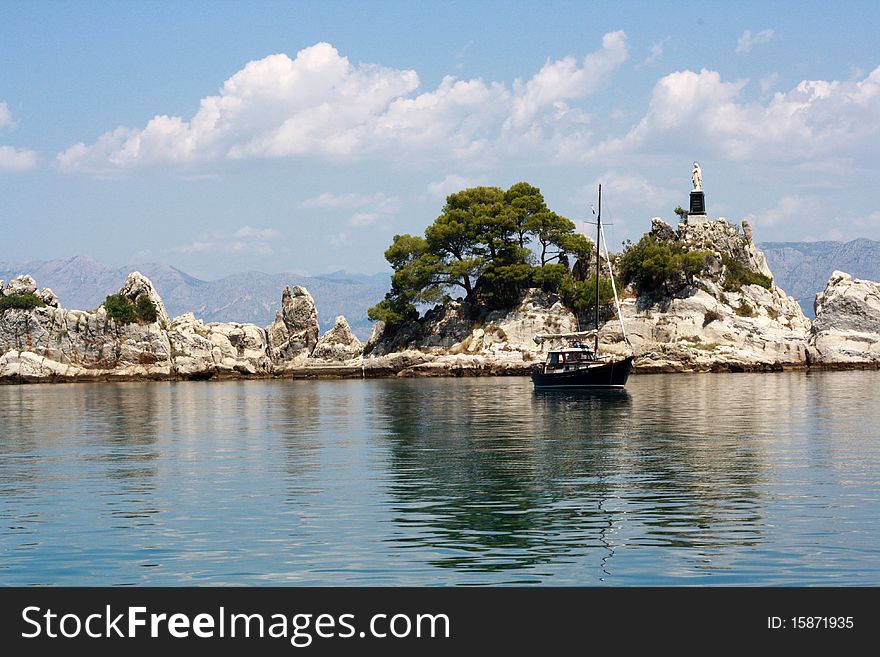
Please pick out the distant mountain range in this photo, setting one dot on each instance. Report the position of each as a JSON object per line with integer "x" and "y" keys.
{"x": 83, "y": 283}
{"x": 803, "y": 268}
{"x": 800, "y": 268}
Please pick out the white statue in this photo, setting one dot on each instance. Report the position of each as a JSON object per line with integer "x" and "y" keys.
{"x": 697, "y": 177}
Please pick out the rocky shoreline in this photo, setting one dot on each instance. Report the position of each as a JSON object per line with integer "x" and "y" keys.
{"x": 703, "y": 327}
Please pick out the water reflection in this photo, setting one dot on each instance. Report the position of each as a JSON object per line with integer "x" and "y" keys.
{"x": 745, "y": 479}
{"x": 492, "y": 477}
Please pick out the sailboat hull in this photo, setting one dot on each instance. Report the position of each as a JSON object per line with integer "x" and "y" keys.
{"x": 611, "y": 374}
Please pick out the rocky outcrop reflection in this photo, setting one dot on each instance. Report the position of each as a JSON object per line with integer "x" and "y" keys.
{"x": 292, "y": 414}
{"x": 489, "y": 481}
{"x": 490, "y": 476}
{"x": 124, "y": 425}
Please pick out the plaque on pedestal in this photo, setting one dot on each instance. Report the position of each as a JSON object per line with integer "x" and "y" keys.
{"x": 697, "y": 214}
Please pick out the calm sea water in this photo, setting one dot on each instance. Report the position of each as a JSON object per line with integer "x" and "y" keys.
{"x": 762, "y": 479}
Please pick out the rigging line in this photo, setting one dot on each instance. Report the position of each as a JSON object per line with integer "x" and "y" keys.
{"x": 614, "y": 288}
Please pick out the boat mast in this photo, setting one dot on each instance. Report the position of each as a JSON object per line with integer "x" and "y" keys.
{"x": 598, "y": 241}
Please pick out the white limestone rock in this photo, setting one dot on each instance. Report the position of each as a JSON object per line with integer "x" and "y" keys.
{"x": 721, "y": 236}
{"x": 504, "y": 332}
{"x": 375, "y": 338}
{"x": 457, "y": 328}
{"x": 338, "y": 344}
{"x": 48, "y": 297}
{"x": 847, "y": 324}
{"x": 753, "y": 329}
{"x": 136, "y": 284}
{"x": 202, "y": 350}
{"x": 24, "y": 284}
{"x": 294, "y": 333}
{"x": 30, "y": 366}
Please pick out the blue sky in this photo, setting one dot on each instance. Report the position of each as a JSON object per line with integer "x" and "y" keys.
{"x": 226, "y": 136}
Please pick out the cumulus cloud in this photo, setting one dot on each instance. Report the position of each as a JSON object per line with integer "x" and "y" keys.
{"x": 451, "y": 184}
{"x": 747, "y": 40}
{"x": 17, "y": 159}
{"x": 319, "y": 104}
{"x": 565, "y": 79}
{"x": 14, "y": 160}
{"x": 700, "y": 111}
{"x": 247, "y": 240}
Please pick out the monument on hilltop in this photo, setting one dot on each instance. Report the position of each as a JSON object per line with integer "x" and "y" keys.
{"x": 697, "y": 212}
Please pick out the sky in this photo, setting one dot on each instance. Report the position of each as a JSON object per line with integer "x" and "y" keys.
{"x": 302, "y": 136}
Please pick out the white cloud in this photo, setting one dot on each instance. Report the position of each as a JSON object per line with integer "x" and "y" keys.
{"x": 339, "y": 239}
{"x": 451, "y": 184}
{"x": 461, "y": 52}
{"x": 246, "y": 240}
{"x": 812, "y": 216}
{"x": 361, "y": 219}
{"x": 5, "y": 115}
{"x": 562, "y": 80}
{"x": 791, "y": 208}
{"x": 321, "y": 105}
{"x": 747, "y": 41}
{"x": 14, "y": 160}
{"x": 701, "y": 112}
{"x": 656, "y": 51}
{"x": 251, "y": 233}
{"x": 330, "y": 201}
{"x": 632, "y": 190}
{"x": 370, "y": 208}
{"x": 768, "y": 82}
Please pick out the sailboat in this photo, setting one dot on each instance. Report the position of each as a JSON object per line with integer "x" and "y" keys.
{"x": 580, "y": 365}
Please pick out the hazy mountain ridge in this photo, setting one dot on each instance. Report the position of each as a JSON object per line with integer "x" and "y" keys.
{"x": 83, "y": 283}
{"x": 802, "y": 268}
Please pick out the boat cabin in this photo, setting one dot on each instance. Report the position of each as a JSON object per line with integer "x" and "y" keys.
{"x": 578, "y": 356}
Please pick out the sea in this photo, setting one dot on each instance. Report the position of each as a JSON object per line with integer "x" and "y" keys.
{"x": 764, "y": 479}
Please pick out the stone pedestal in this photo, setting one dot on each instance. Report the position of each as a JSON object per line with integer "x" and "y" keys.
{"x": 697, "y": 213}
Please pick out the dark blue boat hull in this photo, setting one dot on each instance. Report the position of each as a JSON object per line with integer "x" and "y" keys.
{"x": 605, "y": 375}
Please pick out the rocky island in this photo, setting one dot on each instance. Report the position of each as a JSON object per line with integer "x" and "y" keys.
{"x": 697, "y": 297}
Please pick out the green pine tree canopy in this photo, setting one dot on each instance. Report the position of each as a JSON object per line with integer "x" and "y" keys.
{"x": 488, "y": 245}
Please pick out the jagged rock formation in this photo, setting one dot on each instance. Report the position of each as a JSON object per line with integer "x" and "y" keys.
{"x": 251, "y": 296}
{"x": 137, "y": 285}
{"x": 720, "y": 236}
{"x": 202, "y": 350}
{"x": 847, "y": 324}
{"x": 294, "y": 333}
{"x": 25, "y": 284}
{"x": 48, "y": 341}
{"x": 707, "y": 327}
{"x": 338, "y": 344}
{"x": 20, "y": 285}
{"x": 753, "y": 329}
{"x": 52, "y": 343}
